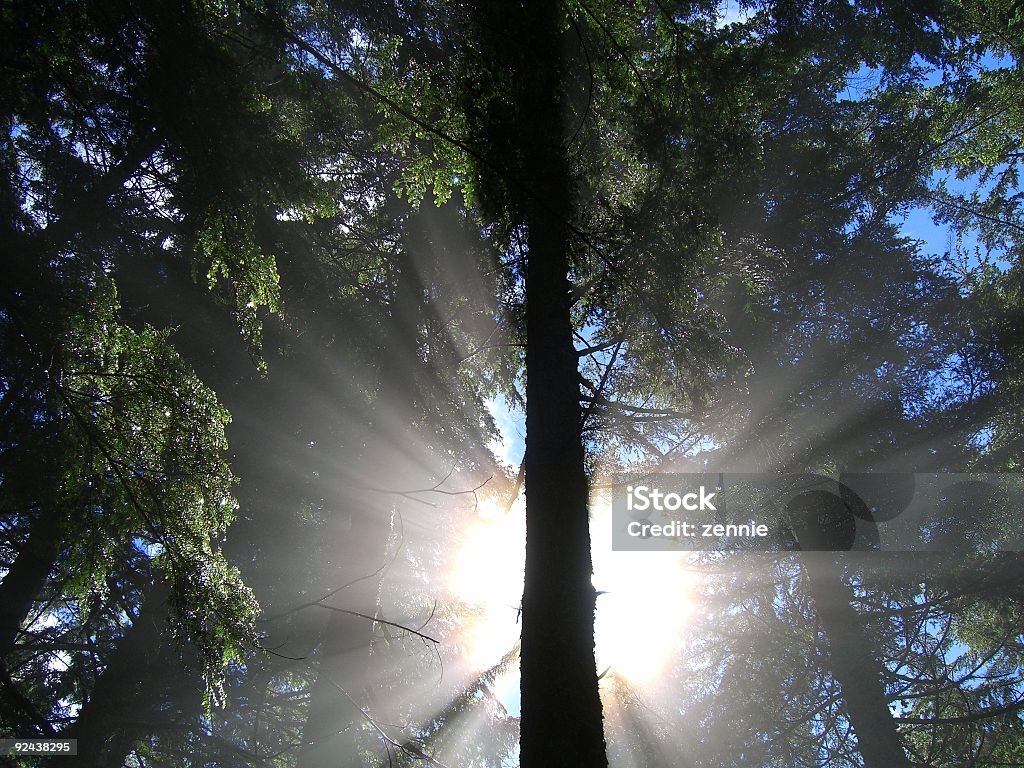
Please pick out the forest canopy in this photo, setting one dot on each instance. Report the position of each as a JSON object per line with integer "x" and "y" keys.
{"x": 326, "y": 326}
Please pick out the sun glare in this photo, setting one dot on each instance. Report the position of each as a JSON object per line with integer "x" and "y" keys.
{"x": 644, "y": 601}
{"x": 488, "y": 576}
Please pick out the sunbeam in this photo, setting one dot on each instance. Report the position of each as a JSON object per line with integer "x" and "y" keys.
{"x": 644, "y": 598}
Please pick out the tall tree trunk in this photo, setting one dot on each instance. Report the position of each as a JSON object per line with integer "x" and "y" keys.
{"x": 859, "y": 673}
{"x": 335, "y": 718}
{"x": 330, "y": 737}
{"x": 21, "y": 586}
{"x": 561, "y": 706}
{"x": 27, "y": 576}
{"x": 170, "y": 704}
{"x": 147, "y": 687}
{"x": 100, "y": 721}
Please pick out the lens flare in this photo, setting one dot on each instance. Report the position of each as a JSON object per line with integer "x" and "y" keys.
{"x": 643, "y": 606}
{"x": 488, "y": 576}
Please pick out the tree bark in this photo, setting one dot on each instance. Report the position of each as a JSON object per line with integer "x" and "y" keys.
{"x": 330, "y": 737}
{"x": 21, "y": 587}
{"x": 561, "y": 721}
{"x": 858, "y": 672}
{"x": 101, "y": 720}
{"x": 24, "y": 582}
{"x": 335, "y": 716}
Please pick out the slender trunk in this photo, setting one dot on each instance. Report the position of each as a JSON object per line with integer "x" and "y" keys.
{"x": 24, "y": 582}
{"x": 858, "y": 672}
{"x": 335, "y": 718}
{"x": 99, "y": 725}
{"x": 20, "y": 588}
{"x": 330, "y": 735}
{"x": 561, "y": 706}
{"x": 334, "y": 721}
{"x": 171, "y": 704}
{"x": 163, "y": 696}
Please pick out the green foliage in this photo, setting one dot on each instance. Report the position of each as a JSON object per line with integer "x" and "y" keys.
{"x": 226, "y": 244}
{"x": 420, "y": 128}
{"x": 355, "y": 172}
{"x": 157, "y": 471}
